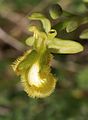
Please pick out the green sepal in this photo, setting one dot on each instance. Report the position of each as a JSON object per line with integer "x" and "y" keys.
{"x": 58, "y": 45}
{"x": 46, "y": 23}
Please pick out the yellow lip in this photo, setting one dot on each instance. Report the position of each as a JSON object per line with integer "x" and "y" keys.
{"x": 34, "y": 85}
{"x": 33, "y": 76}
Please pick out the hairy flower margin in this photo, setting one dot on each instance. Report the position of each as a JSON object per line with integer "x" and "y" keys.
{"x": 35, "y": 75}
{"x": 34, "y": 66}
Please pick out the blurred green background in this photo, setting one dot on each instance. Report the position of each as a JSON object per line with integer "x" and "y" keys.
{"x": 69, "y": 101}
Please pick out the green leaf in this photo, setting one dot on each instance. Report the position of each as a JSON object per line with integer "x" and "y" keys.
{"x": 55, "y": 11}
{"x": 30, "y": 41}
{"x": 84, "y": 34}
{"x": 61, "y": 25}
{"x": 46, "y": 23}
{"x": 72, "y": 25}
{"x": 58, "y": 45}
{"x": 85, "y": 1}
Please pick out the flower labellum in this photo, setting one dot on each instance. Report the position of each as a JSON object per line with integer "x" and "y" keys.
{"x": 36, "y": 79}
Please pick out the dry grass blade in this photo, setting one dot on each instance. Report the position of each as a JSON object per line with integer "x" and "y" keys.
{"x": 11, "y": 41}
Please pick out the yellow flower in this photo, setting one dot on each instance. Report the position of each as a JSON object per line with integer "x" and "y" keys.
{"x": 35, "y": 85}
{"x": 36, "y": 77}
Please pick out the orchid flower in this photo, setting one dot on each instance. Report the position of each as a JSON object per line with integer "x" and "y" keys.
{"x": 34, "y": 66}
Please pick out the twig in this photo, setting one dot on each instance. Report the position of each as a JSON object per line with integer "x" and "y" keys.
{"x": 16, "y": 18}
{"x": 41, "y": 6}
{"x": 20, "y": 20}
{"x": 11, "y": 41}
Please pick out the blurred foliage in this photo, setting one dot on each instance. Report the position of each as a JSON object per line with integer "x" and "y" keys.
{"x": 70, "y": 99}
{"x": 20, "y": 4}
{"x": 82, "y": 77}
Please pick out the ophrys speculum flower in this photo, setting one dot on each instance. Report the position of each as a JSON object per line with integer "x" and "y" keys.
{"x": 38, "y": 81}
{"x": 34, "y": 65}
{"x": 35, "y": 75}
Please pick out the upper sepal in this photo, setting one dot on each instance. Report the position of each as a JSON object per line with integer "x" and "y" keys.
{"x": 46, "y": 23}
